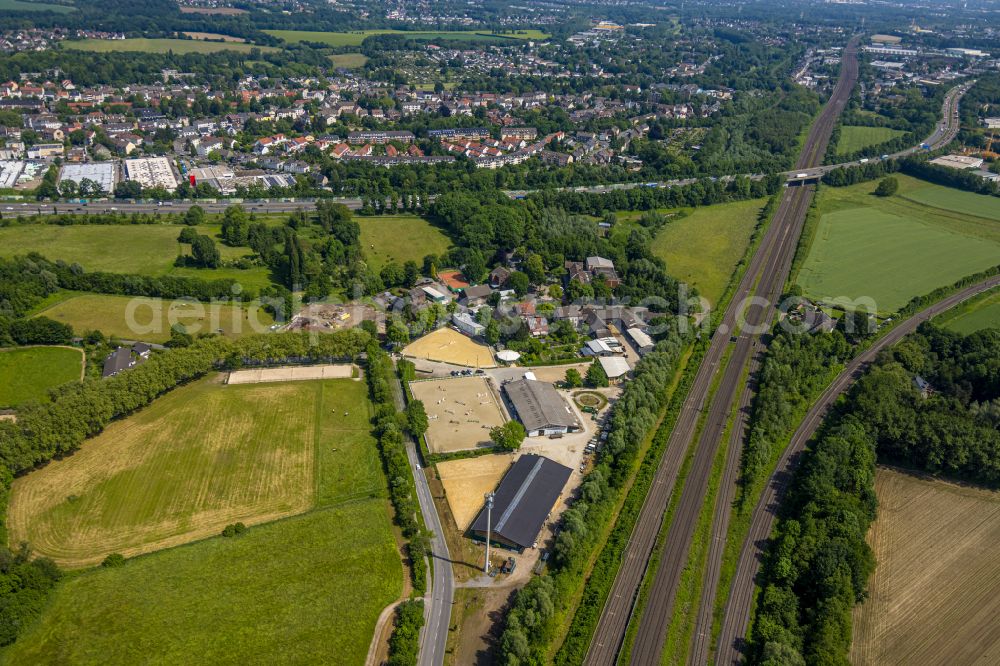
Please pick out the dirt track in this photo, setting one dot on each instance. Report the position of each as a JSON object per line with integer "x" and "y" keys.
{"x": 291, "y": 373}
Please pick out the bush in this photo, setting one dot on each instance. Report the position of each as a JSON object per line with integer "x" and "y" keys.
{"x": 113, "y": 561}
{"x": 887, "y": 187}
{"x": 404, "y": 644}
{"x": 234, "y": 529}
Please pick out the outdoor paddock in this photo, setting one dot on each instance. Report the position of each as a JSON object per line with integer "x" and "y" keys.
{"x": 291, "y": 374}
{"x": 467, "y": 481}
{"x": 460, "y": 412}
{"x": 450, "y": 346}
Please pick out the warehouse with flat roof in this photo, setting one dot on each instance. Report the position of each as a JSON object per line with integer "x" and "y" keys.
{"x": 540, "y": 408}
{"x": 524, "y": 498}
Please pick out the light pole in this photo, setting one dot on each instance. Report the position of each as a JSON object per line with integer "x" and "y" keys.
{"x": 489, "y": 517}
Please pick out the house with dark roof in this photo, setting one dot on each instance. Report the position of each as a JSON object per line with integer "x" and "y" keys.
{"x": 540, "y": 408}
{"x": 523, "y": 501}
{"x": 124, "y": 358}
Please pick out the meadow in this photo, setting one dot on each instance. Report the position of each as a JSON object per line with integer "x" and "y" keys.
{"x": 142, "y": 249}
{"x": 399, "y": 238}
{"x": 179, "y": 46}
{"x": 354, "y": 38}
{"x": 858, "y": 137}
{"x": 27, "y": 373}
{"x": 151, "y": 319}
{"x": 348, "y": 60}
{"x": 974, "y": 315}
{"x": 306, "y": 589}
{"x": 197, "y": 459}
{"x": 704, "y": 247}
{"x": 23, "y": 6}
{"x": 894, "y": 248}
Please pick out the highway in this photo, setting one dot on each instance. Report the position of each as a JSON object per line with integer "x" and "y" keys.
{"x": 441, "y": 586}
{"x": 764, "y": 279}
{"x": 736, "y": 618}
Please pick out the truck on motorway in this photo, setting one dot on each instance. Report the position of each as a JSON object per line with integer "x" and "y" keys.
{"x": 863, "y": 160}
{"x": 802, "y": 175}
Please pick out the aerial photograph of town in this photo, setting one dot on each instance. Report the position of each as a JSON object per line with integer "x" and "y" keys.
{"x": 470, "y": 333}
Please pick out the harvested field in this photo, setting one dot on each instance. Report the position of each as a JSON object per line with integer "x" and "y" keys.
{"x": 935, "y": 594}
{"x": 450, "y": 346}
{"x": 460, "y": 411}
{"x": 214, "y": 36}
{"x": 467, "y": 481}
{"x": 295, "y": 373}
{"x": 199, "y": 458}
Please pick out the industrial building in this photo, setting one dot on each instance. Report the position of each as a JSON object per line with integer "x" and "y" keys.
{"x": 151, "y": 172}
{"x": 523, "y": 501}
{"x": 102, "y": 173}
{"x": 540, "y": 408}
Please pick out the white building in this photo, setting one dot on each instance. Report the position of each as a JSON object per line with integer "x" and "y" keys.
{"x": 467, "y": 324}
{"x": 102, "y": 173}
{"x": 151, "y": 172}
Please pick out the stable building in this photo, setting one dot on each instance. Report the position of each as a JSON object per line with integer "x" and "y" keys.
{"x": 523, "y": 501}
{"x": 540, "y": 408}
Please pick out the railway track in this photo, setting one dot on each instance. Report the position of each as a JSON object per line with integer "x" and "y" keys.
{"x": 764, "y": 278}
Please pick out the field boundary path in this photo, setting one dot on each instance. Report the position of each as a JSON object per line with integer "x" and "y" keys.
{"x": 441, "y": 586}
{"x": 736, "y": 618}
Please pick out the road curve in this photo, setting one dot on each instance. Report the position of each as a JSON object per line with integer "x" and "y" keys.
{"x": 736, "y": 619}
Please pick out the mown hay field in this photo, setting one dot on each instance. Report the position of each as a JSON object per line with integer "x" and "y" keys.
{"x": 27, "y": 373}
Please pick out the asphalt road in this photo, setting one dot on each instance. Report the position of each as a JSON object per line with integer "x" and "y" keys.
{"x": 441, "y": 592}
{"x": 764, "y": 278}
{"x": 13, "y": 209}
{"x": 737, "y": 614}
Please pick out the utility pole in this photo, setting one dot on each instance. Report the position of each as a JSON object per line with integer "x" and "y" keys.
{"x": 489, "y": 517}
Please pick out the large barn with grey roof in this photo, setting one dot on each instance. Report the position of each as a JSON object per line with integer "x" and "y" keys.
{"x": 540, "y": 408}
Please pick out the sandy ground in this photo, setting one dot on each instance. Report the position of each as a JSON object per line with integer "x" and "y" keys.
{"x": 290, "y": 374}
{"x": 448, "y": 345}
{"x": 460, "y": 412}
{"x": 467, "y": 481}
{"x": 8, "y": 417}
{"x": 935, "y": 595}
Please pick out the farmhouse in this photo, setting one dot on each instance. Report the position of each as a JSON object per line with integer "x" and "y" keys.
{"x": 540, "y": 408}
{"x": 523, "y": 501}
{"x": 124, "y": 358}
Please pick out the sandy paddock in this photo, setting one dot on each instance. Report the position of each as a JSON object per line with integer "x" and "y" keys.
{"x": 291, "y": 374}
{"x": 460, "y": 412}
{"x": 450, "y": 346}
{"x": 467, "y": 481}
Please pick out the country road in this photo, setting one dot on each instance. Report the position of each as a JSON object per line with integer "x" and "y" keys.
{"x": 736, "y": 619}
{"x": 764, "y": 279}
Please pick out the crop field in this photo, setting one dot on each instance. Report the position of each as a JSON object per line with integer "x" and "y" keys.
{"x": 348, "y": 60}
{"x": 460, "y": 412}
{"x": 935, "y": 594}
{"x": 144, "y": 45}
{"x": 400, "y": 238}
{"x": 975, "y": 315}
{"x": 858, "y": 137}
{"x": 354, "y": 38}
{"x": 151, "y": 319}
{"x": 306, "y": 589}
{"x": 892, "y": 249}
{"x": 703, "y": 248}
{"x": 213, "y": 36}
{"x": 466, "y": 481}
{"x": 450, "y": 346}
{"x": 199, "y": 458}
{"x": 25, "y": 6}
{"x": 140, "y": 249}
{"x": 27, "y": 373}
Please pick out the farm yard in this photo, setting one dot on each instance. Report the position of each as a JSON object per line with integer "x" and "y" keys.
{"x": 449, "y": 346}
{"x": 974, "y": 315}
{"x": 704, "y": 247}
{"x": 354, "y": 38}
{"x": 466, "y": 481}
{"x": 201, "y": 457}
{"x": 27, "y": 373}
{"x": 228, "y": 600}
{"x": 460, "y": 411}
{"x": 400, "y": 238}
{"x": 935, "y": 594}
{"x": 894, "y": 248}
{"x": 151, "y": 318}
{"x": 858, "y": 137}
{"x": 155, "y": 45}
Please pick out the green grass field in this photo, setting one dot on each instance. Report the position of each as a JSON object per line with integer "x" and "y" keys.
{"x": 24, "y": 6}
{"x": 348, "y": 60}
{"x": 399, "y": 238}
{"x": 179, "y": 46}
{"x": 151, "y": 319}
{"x": 975, "y": 315}
{"x": 703, "y": 248}
{"x": 307, "y": 589}
{"x": 200, "y": 457}
{"x": 143, "y": 249}
{"x": 27, "y": 373}
{"x": 858, "y": 137}
{"x": 355, "y": 38}
{"x": 892, "y": 249}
